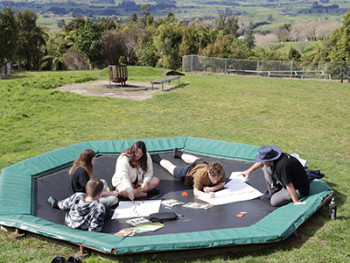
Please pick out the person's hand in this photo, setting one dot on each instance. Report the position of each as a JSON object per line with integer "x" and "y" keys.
{"x": 300, "y": 203}
{"x": 207, "y": 189}
{"x": 211, "y": 194}
{"x": 115, "y": 193}
{"x": 131, "y": 196}
{"x": 245, "y": 174}
{"x": 144, "y": 187}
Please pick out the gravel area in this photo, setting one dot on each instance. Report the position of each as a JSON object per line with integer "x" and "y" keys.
{"x": 132, "y": 90}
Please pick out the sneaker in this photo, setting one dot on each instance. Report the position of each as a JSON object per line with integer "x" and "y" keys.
{"x": 152, "y": 193}
{"x": 177, "y": 153}
{"x": 52, "y": 201}
{"x": 156, "y": 158}
{"x": 58, "y": 259}
{"x": 266, "y": 195}
{"x": 74, "y": 259}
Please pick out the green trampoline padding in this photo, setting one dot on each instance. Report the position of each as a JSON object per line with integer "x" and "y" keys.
{"x": 19, "y": 178}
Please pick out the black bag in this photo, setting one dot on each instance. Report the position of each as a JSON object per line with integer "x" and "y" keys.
{"x": 162, "y": 217}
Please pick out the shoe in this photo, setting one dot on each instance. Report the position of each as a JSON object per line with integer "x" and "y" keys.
{"x": 58, "y": 259}
{"x": 74, "y": 259}
{"x": 152, "y": 193}
{"x": 177, "y": 153}
{"x": 156, "y": 158}
{"x": 266, "y": 195}
{"x": 52, "y": 201}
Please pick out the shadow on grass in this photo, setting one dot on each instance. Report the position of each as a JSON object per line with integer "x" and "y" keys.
{"x": 16, "y": 75}
{"x": 338, "y": 196}
{"x": 181, "y": 86}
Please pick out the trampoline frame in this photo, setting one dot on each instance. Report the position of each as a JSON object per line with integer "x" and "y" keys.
{"x": 18, "y": 212}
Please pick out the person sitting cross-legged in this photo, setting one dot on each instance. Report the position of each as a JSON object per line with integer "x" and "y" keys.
{"x": 205, "y": 178}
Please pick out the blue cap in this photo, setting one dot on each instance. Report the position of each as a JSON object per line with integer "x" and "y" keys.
{"x": 268, "y": 153}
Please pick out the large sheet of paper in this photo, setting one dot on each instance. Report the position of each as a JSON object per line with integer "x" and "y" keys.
{"x": 234, "y": 191}
{"x": 128, "y": 209}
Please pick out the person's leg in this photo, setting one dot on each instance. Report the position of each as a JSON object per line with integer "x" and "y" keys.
{"x": 136, "y": 191}
{"x": 167, "y": 165}
{"x": 109, "y": 200}
{"x": 188, "y": 158}
{"x": 282, "y": 197}
{"x": 270, "y": 181}
{"x": 153, "y": 183}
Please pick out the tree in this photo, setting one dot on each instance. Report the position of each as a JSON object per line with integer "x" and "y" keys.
{"x": 340, "y": 45}
{"x": 75, "y": 24}
{"x": 146, "y": 52}
{"x": 147, "y": 18}
{"x": 88, "y": 42}
{"x": 61, "y": 23}
{"x": 240, "y": 49}
{"x": 57, "y": 45}
{"x": 249, "y": 36}
{"x": 293, "y": 54}
{"x": 8, "y": 35}
{"x": 107, "y": 24}
{"x": 167, "y": 39}
{"x": 31, "y": 41}
{"x": 229, "y": 25}
{"x": 188, "y": 43}
{"x": 221, "y": 48}
{"x": 112, "y": 46}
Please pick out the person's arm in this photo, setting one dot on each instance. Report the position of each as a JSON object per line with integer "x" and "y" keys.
{"x": 66, "y": 204}
{"x": 254, "y": 167}
{"x": 149, "y": 174}
{"x": 114, "y": 193}
{"x": 215, "y": 188}
{"x": 293, "y": 194}
{"x": 198, "y": 193}
{"x": 123, "y": 173}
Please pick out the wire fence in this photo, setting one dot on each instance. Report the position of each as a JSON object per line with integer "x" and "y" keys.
{"x": 266, "y": 68}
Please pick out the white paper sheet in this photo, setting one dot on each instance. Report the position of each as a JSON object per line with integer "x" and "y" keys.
{"x": 235, "y": 190}
{"x": 238, "y": 176}
{"x": 128, "y": 209}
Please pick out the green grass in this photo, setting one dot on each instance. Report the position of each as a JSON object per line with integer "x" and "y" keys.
{"x": 308, "y": 117}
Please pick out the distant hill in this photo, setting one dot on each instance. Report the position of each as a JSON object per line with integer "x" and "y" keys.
{"x": 259, "y": 11}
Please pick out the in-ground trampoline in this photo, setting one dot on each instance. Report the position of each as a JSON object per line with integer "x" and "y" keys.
{"x": 35, "y": 179}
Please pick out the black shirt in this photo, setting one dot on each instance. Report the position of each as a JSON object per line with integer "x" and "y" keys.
{"x": 78, "y": 180}
{"x": 288, "y": 169}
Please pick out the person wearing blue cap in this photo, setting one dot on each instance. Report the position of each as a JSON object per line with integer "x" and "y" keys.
{"x": 285, "y": 177}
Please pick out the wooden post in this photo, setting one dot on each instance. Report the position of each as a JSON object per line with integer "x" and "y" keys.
{"x": 342, "y": 74}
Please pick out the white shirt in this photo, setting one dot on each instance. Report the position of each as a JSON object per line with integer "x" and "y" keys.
{"x": 127, "y": 175}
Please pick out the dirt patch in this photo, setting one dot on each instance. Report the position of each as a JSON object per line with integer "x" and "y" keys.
{"x": 133, "y": 90}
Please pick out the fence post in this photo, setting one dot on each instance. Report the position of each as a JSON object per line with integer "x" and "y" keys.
{"x": 183, "y": 63}
{"x": 191, "y": 63}
{"x": 291, "y": 68}
{"x": 204, "y": 65}
{"x": 257, "y": 65}
{"x": 225, "y": 66}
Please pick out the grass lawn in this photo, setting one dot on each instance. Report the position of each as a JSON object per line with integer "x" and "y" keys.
{"x": 311, "y": 118}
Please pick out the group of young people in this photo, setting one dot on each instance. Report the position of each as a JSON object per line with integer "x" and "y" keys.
{"x": 90, "y": 198}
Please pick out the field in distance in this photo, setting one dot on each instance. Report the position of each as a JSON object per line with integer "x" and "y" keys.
{"x": 267, "y": 13}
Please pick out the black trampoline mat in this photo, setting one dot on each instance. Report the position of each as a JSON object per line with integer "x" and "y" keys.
{"x": 189, "y": 219}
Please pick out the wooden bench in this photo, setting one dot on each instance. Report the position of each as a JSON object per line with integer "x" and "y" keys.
{"x": 164, "y": 80}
